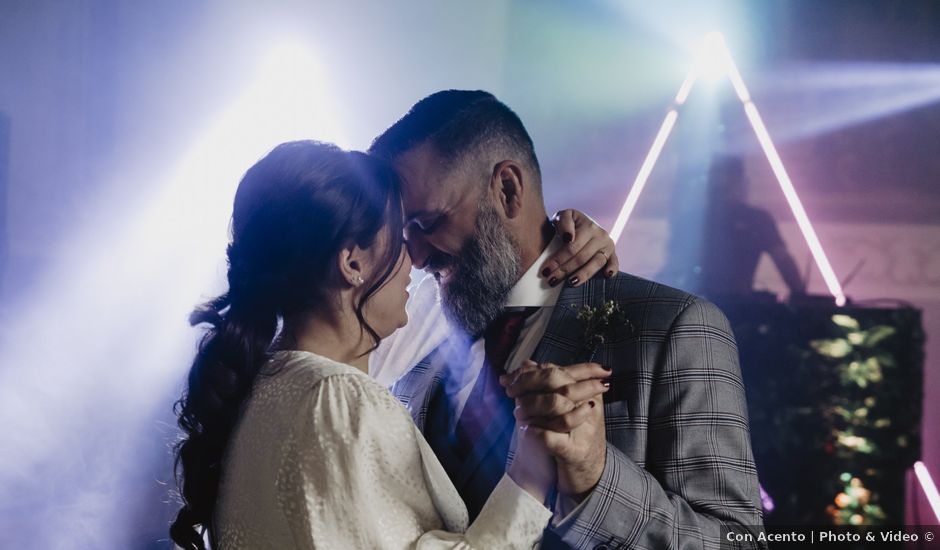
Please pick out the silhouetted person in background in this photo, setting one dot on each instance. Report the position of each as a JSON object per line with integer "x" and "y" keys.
{"x": 733, "y": 236}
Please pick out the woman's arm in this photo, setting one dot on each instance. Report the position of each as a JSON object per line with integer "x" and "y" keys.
{"x": 353, "y": 476}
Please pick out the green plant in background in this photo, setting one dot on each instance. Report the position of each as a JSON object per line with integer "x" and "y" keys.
{"x": 856, "y": 421}
{"x": 832, "y": 391}
{"x": 859, "y": 358}
{"x": 853, "y": 506}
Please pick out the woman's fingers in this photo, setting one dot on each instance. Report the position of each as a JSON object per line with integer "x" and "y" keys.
{"x": 565, "y": 226}
{"x": 592, "y": 258}
{"x": 613, "y": 264}
{"x": 590, "y": 250}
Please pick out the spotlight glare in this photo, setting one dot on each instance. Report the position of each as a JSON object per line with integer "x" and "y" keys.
{"x": 716, "y": 57}
{"x": 713, "y": 59}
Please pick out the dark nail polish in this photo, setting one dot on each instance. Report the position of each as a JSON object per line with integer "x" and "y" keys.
{"x": 553, "y": 281}
{"x": 607, "y": 367}
{"x": 610, "y": 273}
{"x": 573, "y": 281}
{"x": 546, "y": 272}
{"x": 568, "y": 237}
{"x": 592, "y": 404}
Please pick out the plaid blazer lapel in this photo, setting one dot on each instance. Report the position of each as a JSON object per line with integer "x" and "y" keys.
{"x": 562, "y": 342}
{"x": 483, "y": 446}
{"x": 417, "y": 387}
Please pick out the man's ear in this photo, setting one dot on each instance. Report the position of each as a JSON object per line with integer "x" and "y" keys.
{"x": 350, "y": 265}
{"x": 509, "y": 186}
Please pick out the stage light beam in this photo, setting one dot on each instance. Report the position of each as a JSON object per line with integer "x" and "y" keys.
{"x": 786, "y": 185}
{"x": 138, "y": 271}
{"x": 927, "y": 484}
{"x": 796, "y": 206}
{"x": 716, "y": 58}
{"x": 686, "y": 87}
{"x": 644, "y": 174}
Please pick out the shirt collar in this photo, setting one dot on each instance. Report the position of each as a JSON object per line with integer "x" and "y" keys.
{"x": 532, "y": 289}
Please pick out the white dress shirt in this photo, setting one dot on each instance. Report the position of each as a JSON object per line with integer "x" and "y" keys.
{"x": 427, "y": 327}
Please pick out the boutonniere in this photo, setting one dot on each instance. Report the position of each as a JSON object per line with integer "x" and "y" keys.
{"x": 602, "y": 324}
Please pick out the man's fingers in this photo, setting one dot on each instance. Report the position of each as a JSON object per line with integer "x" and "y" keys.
{"x": 547, "y": 407}
{"x": 528, "y": 365}
{"x": 550, "y": 378}
{"x": 524, "y": 372}
{"x": 545, "y": 379}
{"x": 558, "y": 443}
{"x": 560, "y": 423}
{"x": 538, "y": 405}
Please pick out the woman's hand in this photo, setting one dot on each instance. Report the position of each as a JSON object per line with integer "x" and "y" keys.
{"x": 532, "y": 468}
{"x": 588, "y": 250}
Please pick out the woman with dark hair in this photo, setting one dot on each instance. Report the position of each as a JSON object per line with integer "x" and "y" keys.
{"x": 289, "y": 443}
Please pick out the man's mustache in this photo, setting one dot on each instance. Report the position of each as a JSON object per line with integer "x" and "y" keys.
{"x": 438, "y": 261}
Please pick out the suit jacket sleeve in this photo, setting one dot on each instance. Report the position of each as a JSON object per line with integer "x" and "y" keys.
{"x": 699, "y": 473}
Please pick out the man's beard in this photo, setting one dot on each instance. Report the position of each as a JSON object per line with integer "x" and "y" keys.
{"x": 482, "y": 274}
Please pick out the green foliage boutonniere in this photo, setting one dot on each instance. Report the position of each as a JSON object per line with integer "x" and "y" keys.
{"x": 602, "y": 325}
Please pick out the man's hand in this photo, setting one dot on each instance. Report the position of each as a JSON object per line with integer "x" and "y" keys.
{"x": 563, "y": 406}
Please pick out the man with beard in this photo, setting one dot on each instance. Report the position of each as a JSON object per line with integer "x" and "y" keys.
{"x": 673, "y": 465}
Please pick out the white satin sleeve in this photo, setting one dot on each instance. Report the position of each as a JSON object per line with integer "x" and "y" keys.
{"x": 352, "y": 475}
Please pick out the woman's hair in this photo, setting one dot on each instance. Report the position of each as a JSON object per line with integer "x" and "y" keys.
{"x": 295, "y": 210}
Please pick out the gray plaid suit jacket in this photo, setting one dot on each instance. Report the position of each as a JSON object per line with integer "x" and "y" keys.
{"x": 679, "y": 464}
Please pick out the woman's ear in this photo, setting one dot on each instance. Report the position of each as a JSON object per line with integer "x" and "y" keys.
{"x": 509, "y": 186}
{"x": 350, "y": 264}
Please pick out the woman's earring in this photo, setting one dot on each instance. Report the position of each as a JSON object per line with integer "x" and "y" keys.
{"x": 359, "y": 280}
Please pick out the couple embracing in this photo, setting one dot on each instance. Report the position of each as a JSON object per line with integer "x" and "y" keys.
{"x": 539, "y": 397}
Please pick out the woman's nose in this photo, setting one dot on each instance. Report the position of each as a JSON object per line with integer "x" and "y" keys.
{"x": 417, "y": 248}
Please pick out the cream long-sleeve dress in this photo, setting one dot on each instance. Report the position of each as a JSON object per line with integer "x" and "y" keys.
{"x": 325, "y": 457}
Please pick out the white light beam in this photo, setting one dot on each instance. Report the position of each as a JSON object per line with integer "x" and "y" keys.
{"x": 644, "y": 174}
{"x": 786, "y": 185}
{"x": 926, "y": 483}
{"x": 718, "y": 56}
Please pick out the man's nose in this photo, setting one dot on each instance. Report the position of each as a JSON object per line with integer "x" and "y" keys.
{"x": 418, "y": 247}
